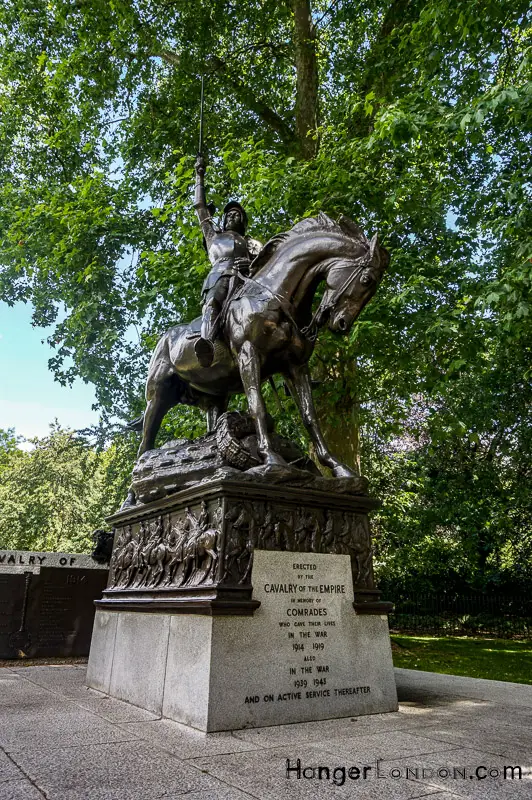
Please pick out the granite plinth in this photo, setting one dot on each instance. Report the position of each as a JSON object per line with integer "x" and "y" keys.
{"x": 303, "y": 655}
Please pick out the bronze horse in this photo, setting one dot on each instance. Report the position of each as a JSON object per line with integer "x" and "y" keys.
{"x": 270, "y": 328}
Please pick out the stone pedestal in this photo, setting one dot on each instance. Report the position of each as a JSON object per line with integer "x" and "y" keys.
{"x": 246, "y": 601}
{"x": 303, "y": 655}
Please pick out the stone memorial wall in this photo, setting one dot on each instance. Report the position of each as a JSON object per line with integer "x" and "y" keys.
{"x": 47, "y": 603}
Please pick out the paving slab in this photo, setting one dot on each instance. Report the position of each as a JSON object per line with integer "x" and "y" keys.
{"x": 113, "y": 771}
{"x": 62, "y": 741}
{"x": 445, "y": 796}
{"x": 20, "y": 790}
{"x": 369, "y": 747}
{"x": 223, "y": 793}
{"x": 186, "y": 742}
{"x": 501, "y": 692}
{"x": 66, "y": 680}
{"x": 59, "y": 730}
{"x": 323, "y": 730}
{"x": 498, "y": 741}
{"x": 13, "y": 685}
{"x": 314, "y": 772}
{"x": 450, "y": 768}
{"x": 114, "y": 710}
{"x": 8, "y": 769}
{"x": 481, "y": 715}
{"x": 67, "y": 683}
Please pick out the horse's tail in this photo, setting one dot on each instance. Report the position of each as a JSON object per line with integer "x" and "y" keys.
{"x": 135, "y": 424}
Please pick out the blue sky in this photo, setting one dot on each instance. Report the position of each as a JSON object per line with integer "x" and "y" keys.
{"x": 30, "y": 399}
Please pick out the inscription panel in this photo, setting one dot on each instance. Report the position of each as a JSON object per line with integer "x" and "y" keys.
{"x": 61, "y": 610}
{"x": 24, "y": 560}
{"x": 305, "y": 654}
{"x": 310, "y": 601}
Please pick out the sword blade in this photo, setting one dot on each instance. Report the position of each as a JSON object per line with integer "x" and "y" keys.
{"x": 200, "y": 147}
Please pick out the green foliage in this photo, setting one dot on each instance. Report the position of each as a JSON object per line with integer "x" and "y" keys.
{"x": 55, "y": 495}
{"x": 8, "y": 447}
{"x": 425, "y": 128}
{"x": 425, "y": 110}
{"x": 457, "y": 506}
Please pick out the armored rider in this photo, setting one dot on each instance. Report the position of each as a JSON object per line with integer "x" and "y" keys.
{"x": 230, "y": 252}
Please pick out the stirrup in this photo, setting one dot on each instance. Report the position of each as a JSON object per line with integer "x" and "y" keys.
{"x": 204, "y": 350}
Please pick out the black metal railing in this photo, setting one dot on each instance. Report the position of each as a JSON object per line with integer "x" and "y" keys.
{"x": 500, "y": 616}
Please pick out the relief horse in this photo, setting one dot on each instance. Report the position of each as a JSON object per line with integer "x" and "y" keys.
{"x": 270, "y": 328}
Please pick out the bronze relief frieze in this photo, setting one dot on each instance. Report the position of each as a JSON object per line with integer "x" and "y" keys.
{"x": 193, "y": 551}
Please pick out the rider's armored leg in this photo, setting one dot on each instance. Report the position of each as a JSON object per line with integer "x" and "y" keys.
{"x": 212, "y": 307}
{"x": 215, "y": 411}
{"x": 204, "y": 347}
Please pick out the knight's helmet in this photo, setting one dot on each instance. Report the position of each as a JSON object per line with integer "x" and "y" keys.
{"x": 234, "y": 204}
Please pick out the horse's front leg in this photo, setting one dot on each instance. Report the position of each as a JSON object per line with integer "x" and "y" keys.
{"x": 249, "y": 366}
{"x": 298, "y": 380}
{"x": 160, "y": 401}
{"x": 215, "y": 411}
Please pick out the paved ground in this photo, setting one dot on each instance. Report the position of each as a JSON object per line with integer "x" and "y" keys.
{"x": 61, "y": 741}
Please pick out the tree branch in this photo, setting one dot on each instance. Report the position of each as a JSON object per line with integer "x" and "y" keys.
{"x": 395, "y": 16}
{"x": 242, "y": 91}
{"x": 248, "y": 96}
{"x": 167, "y": 55}
{"x": 326, "y": 13}
{"x": 278, "y": 49}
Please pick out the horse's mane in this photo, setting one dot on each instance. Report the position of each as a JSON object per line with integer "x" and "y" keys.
{"x": 317, "y": 224}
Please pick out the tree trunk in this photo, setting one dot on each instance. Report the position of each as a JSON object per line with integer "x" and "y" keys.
{"x": 342, "y": 434}
{"x": 376, "y": 76}
{"x": 306, "y": 107}
{"x": 340, "y": 419}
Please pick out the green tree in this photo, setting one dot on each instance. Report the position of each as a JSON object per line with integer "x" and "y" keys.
{"x": 393, "y": 112}
{"x": 458, "y": 510}
{"x": 8, "y": 446}
{"x": 53, "y": 496}
{"x": 411, "y": 116}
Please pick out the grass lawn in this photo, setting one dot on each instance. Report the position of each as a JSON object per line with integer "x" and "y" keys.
{"x": 495, "y": 659}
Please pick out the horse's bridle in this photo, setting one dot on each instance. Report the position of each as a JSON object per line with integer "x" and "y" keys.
{"x": 310, "y": 331}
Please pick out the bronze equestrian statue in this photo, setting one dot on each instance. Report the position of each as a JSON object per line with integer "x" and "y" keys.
{"x": 266, "y": 326}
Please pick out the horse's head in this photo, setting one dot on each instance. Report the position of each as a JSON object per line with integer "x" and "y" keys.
{"x": 351, "y": 283}
{"x": 292, "y": 264}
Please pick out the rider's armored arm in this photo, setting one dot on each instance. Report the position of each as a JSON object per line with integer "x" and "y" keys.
{"x": 200, "y": 202}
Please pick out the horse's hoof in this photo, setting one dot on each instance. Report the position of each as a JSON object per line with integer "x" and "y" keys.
{"x": 341, "y": 471}
{"x": 274, "y": 460}
{"x": 131, "y": 500}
